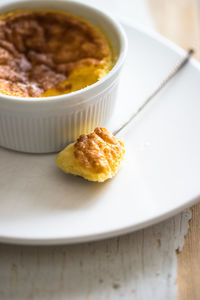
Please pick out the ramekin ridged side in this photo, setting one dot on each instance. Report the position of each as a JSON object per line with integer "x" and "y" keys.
{"x": 51, "y": 131}
{"x": 45, "y": 125}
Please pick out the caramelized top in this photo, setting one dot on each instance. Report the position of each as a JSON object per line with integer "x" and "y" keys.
{"x": 40, "y": 49}
{"x": 99, "y": 151}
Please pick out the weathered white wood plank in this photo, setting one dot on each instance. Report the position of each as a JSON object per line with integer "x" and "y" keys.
{"x": 137, "y": 266}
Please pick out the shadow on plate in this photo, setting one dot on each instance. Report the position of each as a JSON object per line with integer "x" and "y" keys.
{"x": 31, "y": 184}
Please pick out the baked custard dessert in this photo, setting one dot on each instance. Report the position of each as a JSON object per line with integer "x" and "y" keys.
{"x": 47, "y": 53}
{"x": 96, "y": 156}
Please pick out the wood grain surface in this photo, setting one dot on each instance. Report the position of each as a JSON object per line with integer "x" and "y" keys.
{"x": 189, "y": 261}
{"x": 138, "y": 266}
{"x": 179, "y": 20}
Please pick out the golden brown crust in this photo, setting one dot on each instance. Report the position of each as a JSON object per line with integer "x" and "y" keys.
{"x": 39, "y": 49}
{"x": 99, "y": 151}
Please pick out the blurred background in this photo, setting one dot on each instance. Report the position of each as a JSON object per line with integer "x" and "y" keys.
{"x": 178, "y": 20}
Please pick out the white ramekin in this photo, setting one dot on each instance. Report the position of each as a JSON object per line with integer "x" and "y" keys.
{"x": 43, "y": 125}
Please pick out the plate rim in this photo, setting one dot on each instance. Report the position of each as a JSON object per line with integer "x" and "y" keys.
{"x": 55, "y": 241}
{"x": 18, "y": 240}
{"x": 159, "y": 37}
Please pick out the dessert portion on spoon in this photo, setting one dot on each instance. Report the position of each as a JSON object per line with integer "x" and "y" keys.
{"x": 96, "y": 156}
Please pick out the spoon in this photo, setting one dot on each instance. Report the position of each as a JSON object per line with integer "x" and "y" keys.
{"x": 98, "y": 155}
{"x": 180, "y": 64}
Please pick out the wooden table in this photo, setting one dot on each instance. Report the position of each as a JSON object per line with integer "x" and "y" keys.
{"x": 179, "y": 20}
{"x": 148, "y": 264}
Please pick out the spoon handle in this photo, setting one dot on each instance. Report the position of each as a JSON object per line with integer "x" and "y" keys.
{"x": 162, "y": 84}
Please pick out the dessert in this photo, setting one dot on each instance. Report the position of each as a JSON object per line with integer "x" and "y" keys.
{"x": 48, "y": 53}
{"x": 96, "y": 156}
